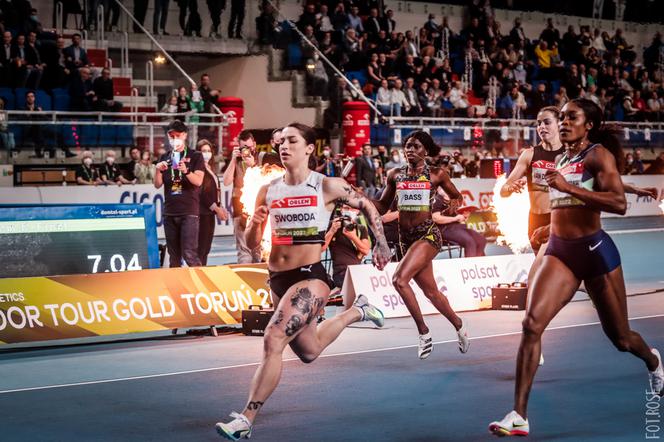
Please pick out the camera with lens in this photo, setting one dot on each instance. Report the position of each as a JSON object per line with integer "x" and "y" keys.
{"x": 245, "y": 151}
{"x": 347, "y": 223}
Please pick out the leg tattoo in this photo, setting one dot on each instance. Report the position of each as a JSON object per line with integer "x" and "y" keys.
{"x": 278, "y": 318}
{"x": 302, "y": 300}
{"x": 254, "y": 405}
{"x": 294, "y": 324}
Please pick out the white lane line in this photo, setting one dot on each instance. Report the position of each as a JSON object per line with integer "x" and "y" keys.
{"x": 227, "y": 367}
{"x": 622, "y": 232}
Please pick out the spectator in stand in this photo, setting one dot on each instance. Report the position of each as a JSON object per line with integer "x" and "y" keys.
{"x": 372, "y": 24}
{"x": 207, "y": 94}
{"x": 384, "y": 101}
{"x": 412, "y": 102}
{"x": 573, "y": 82}
{"x": 34, "y": 65}
{"x": 110, "y": 172}
{"x": 32, "y": 134}
{"x": 237, "y": 19}
{"x": 550, "y": 34}
{"x": 458, "y": 99}
{"x": 6, "y": 57}
{"x": 352, "y": 94}
{"x": 389, "y": 24}
{"x": 655, "y": 107}
{"x": 103, "y": 89}
{"x": 57, "y": 67}
{"x": 266, "y": 22}
{"x": 80, "y": 91}
{"x": 308, "y": 17}
{"x": 316, "y": 78}
{"x": 630, "y": 168}
{"x": 592, "y": 95}
{"x": 144, "y": 170}
{"x": 340, "y": 18}
{"x": 76, "y": 56}
{"x": 631, "y": 112}
{"x": 560, "y": 98}
{"x": 399, "y": 98}
{"x": 354, "y": 20}
{"x": 365, "y": 170}
{"x": 160, "y": 17}
{"x": 6, "y": 137}
{"x": 86, "y": 174}
{"x": 210, "y": 208}
{"x": 324, "y": 24}
{"x": 181, "y": 172}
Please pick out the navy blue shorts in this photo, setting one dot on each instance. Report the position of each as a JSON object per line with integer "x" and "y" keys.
{"x": 587, "y": 257}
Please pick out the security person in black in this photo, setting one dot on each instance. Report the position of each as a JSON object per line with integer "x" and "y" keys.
{"x": 348, "y": 241}
{"x": 181, "y": 172}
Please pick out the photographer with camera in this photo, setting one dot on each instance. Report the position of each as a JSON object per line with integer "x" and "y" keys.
{"x": 348, "y": 241}
{"x": 243, "y": 157}
{"x": 181, "y": 172}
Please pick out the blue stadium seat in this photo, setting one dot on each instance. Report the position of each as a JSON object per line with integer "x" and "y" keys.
{"x": 43, "y": 100}
{"x": 125, "y": 135}
{"x": 68, "y": 131}
{"x": 61, "y": 102}
{"x": 19, "y": 94}
{"x": 294, "y": 56}
{"x": 88, "y": 135}
{"x": 361, "y": 76}
{"x": 8, "y": 96}
{"x": 107, "y": 135}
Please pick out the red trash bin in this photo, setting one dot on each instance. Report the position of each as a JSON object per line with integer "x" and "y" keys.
{"x": 233, "y": 108}
{"x": 356, "y": 125}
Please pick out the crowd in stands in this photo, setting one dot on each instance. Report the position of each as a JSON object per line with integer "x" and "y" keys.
{"x": 512, "y": 76}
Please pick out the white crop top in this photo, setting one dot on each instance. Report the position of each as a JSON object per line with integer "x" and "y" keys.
{"x": 297, "y": 213}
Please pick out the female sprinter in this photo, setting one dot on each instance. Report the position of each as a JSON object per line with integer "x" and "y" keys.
{"x": 299, "y": 205}
{"x": 585, "y": 183}
{"x": 420, "y": 240}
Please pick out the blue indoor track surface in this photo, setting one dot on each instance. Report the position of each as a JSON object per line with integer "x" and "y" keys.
{"x": 369, "y": 385}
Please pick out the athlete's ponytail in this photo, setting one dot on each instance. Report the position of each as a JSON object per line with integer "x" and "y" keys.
{"x": 600, "y": 133}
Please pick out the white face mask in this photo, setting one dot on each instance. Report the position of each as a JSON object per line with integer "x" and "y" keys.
{"x": 172, "y": 108}
{"x": 207, "y": 156}
{"x": 326, "y": 153}
{"x": 395, "y": 158}
{"x": 176, "y": 143}
{"x": 87, "y": 161}
{"x": 110, "y": 160}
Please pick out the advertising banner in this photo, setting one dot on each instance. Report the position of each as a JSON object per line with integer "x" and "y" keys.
{"x": 77, "y": 306}
{"x": 466, "y": 282}
{"x": 130, "y": 194}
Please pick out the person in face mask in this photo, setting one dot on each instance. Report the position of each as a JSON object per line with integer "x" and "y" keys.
{"x": 181, "y": 172}
{"x": 327, "y": 164}
{"x": 110, "y": 172}
{"x": 395, "y": 160}
{"x": 86, "y": 174}
{"x": 210, "y": 208}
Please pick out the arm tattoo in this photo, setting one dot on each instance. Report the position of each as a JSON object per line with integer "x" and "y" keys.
{"x": 294, "y": 324}
{"x": 254, "y": 405}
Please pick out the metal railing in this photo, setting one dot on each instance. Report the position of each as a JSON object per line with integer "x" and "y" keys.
{"x": 144, "y": 123}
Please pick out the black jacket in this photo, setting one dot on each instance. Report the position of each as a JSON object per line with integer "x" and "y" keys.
{"x": 366, "y": 175}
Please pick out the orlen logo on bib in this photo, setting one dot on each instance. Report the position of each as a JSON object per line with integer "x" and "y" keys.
{"x": 306, "y": 201}
{"x": 413, "y": 185}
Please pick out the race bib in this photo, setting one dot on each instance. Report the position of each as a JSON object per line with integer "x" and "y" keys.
{"x": 573, "y": 174}
{"x": 539, "y": 169}
{"x": 294, "y": 219}
{"x": 413, "y": 196}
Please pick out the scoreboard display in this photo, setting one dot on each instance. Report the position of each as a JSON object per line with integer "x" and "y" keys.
{"x": 49, "y": 240}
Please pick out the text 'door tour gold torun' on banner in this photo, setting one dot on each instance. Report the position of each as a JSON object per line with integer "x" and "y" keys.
{"x": 76, "y": 306}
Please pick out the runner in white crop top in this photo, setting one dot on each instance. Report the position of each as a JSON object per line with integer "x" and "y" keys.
{"x": 299, "y": 206}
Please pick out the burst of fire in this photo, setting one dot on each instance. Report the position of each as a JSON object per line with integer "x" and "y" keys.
{"x": 254, "y": 179}
{"x": 512, "y": 217}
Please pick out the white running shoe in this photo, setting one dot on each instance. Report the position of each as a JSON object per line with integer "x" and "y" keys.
{"x": 425, "y": 347}
{"x": 541, "y": 361}
{"x": 462, "y": 336}
{"x": 511, "y": 425}
{"x": 657, "y": 376}
{"x": 238, "y": 428}
{"x": 369, "y": 312}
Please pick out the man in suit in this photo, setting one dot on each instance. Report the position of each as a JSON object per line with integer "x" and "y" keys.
{"x": 366, "y": 171}
{"x": 389, "y": 25}
{"x": 372, "y": 24}
{"x": 6, "y": 60}
{"x": 76, "y": 57}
